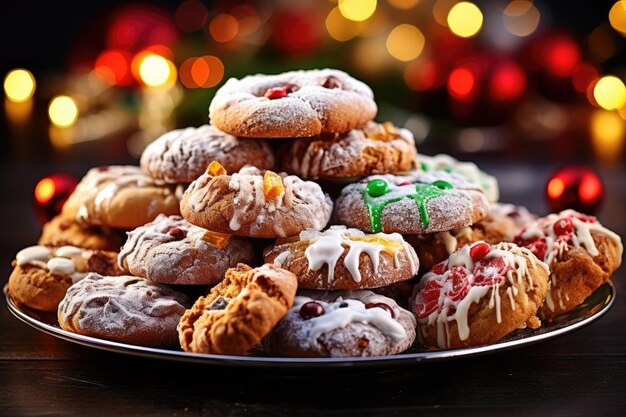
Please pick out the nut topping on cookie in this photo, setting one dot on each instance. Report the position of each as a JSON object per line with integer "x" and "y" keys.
{"x": 177, "y": 233}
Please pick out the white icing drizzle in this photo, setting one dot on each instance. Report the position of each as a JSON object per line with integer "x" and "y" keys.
{"x": 57, "y": 261}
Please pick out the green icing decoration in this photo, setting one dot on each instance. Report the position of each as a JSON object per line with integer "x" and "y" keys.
{"x": 442, "y": 185}
{"x": 424, "y": 166}
{"x": 448, "y": 169}
{"x": 377, "y": 187}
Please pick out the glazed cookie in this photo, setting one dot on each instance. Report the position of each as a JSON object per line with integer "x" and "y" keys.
{"x": 342, "y": 324}
{"x": 411, "y": 204}
{"x": 43, "y": 274}
{"x": 479, "y": 295}
{"x": 469, "y": 170}
{"x": 120, "y": 196}
{"x": 292, "y": 105}
{"x": 581, "y": 254}
{"x": 519, "y": 214}
{"x": 341, "y": 258}
{"x": 173, "y": 251}
{"x": 373, "y": 149}
{"x": 182, "y": 155}
{"x": 61, "y": 231}
{"x": 124, "y": 309}
{"x": 255, "y": 204}
{"x": 239, "y": 311}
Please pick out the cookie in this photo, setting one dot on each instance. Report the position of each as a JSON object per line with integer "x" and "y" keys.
{"x": 519, "y": 214}
{"x": 342, "y": 324}
{"x": 43, "y": 274}
{"x": 239, "y": 311}
{"x": 442, "y": 162}
{"x": 182, "y": 155}
{"x": 342, "y": 259}
{"x": 478, "y": 295}
{"x": 373, "y": 149}
{"x": 581, "y": 254}
{"x": 292, "y": 104}
{"x": 124, "y": 309}
{"x": 173, "y": 251}
{"x": 61, "y": 231}
{"x": 121, "y": 197}
{"x": 254, "y": 203}
{"x": 415, "y": 203}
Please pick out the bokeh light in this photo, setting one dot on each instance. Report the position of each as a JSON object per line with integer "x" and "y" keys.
{"x": 421, "y": 74}
{"x": 583, "y": 76}
{"x": 44, "y": 190}
{"x": 465, "y": 19}
{"x": 405, "y": 42}
{"x": 203, "y": 72}
{"x": 461, "y": 84}
{"x": 441, "y": 8}
{"x": 609, "y": 92}
{"x": 561, "y": 55}
{"x": 607, "y": 131}
{"x": 507, "y": 82}
{"x": 224, "y": 27}
{"x": 156, "y": 71}
{"x": 617, "y": 16}
{"x": 113, "y": 67}
{"x": 63, "y": 111}
{"x": 403, "y": 4}
{"x": 191, "y": 15}
{"x": 340, "y": 28}
{"x": 521, "y": 17}
{"x": 357, "y": 10}
{"x": 19, "y": 85}
{"x": 602, "y": 42}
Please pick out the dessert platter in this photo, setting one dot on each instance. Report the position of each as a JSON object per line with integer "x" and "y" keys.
{"x": 294, "y": 230}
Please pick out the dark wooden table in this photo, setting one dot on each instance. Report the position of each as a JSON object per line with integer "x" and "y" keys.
{"x": 582, "y": 373}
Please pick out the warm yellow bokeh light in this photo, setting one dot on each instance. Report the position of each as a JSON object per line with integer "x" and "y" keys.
{"x": 610, "y": 92}
{"x": 340, "y": 28}
{"x": 403, "y": 4}
{"x": 405, "y": 42}
{"x": 357, "y": 10}
{"x": 465, "y": 19}
{"x": 156, "y": 71}
{"x": 63, "y": 111}
{"x": 607, "y": 135}
{"x": 521, "y": 17}
{"x": 617, "y": 16}
{"x": 19, "y": 85}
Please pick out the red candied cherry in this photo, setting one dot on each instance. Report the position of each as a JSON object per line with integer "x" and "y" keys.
{"x": 383, "y": 306}
{"x": 404, "y": 183}
{"x": 178, "y": 234}
{"x": 427, "y": 300}
{"x": 479, "y": 250}
{"x": 280, "y": 92}
{"x": 563, "y": 226}
{"x": 460, "y": 283}
{"x": 537, "y": 246}
{"x": 440, "y": 268}
{"x": 331, "y": 82}
{"x": 311, "y": 309}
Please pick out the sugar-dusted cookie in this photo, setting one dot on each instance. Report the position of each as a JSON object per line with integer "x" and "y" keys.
{"x": 581, "y": 253}
{"x": 173, "y": 251}
{"x": 342, "y": 258}
{"x": 419, "y": 202}
{"x": 120, "y": 196}
{"x": 61, "y": 231}
{"x": 43, "y": 274}
{"x": 342, "y": 324}
{"x": 519, "y": 214}
{"x": 292, "y": 104}
{"x": 478, "y": 295}
{"x": 373, "y": 149}
{"x": 182, "y": 155}
{"x": 255, "y": 203}
{"x": 239, "y": 311}
{"x": 124, "y": 309}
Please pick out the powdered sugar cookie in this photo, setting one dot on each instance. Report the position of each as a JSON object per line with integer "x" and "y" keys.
{"x": 292, "y": 104}
{"x": 182, "y": 155}
{"x": 255, "y": 203}
{"x": 519, "y": 214}
{"x": 581, "y": 253}
{"x": 479, "y": 295}
{"x": 173, "y": 251}
{"x": 415, "y": 203}
{"x": 373, "y": 149}
{"x": 342, "y": 258}
{"x": 61, "y": 231}
{"x": 342, "y": 324}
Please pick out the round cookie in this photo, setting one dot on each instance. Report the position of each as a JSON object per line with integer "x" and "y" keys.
{"x": 519, "y": 214}
{"x": 581, "y": 254}
{"x": 61, "y": 231}
{"x": 373, "y": 149}
{"x": 182, "y": 155}
{"x": 173, "y": 251}
{"x": 43, "y": 274}
{"x": 478, "y": 295}
{"x": 342, "y": 324}
{"x": 239, "y": 311}
{"x": 419, "y": 202}
{"x": 124, "y": 309}
{"x": 255, "y": 204}
{"x": 442, "y": 162}
{"x": 342, "y": 259}
{"x": 121, "y": 197}
{"x": 292, "y": 104}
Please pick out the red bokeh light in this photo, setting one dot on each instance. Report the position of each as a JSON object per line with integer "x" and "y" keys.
{"x": 422, "y": 75}
{"x": 575, "y": 187}
{"x": 113, "y": 66}
{"x": 296, "y": 31}
{"x": 191, "y": 15}
{"x": 461, "y": 83}
{"x": 561, "y": 55}
{"x": 507, "y": 82}
{"x": 584, "y": 75}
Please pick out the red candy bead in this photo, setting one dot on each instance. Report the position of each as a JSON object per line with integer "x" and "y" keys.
{"x": 383, "y": 306}
{"x": 311, "y": 309}
{"x": 402, "y": 184}
{"x": 177, "y": 233}
{"x": 479, "y": 250}
{"x": 563, "y": 226}
{"x": 276, "y": 92}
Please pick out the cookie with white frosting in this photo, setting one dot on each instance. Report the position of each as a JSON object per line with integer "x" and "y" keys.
{"x": 341, "y": 324}
{"x": 342, "y": 258}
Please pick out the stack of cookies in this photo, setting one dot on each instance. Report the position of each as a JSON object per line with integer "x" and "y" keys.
{"x": 415, "y": 251}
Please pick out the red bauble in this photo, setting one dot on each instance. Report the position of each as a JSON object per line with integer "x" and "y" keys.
{"x": 50, "y": 194}
{"x": 575, "y": 187}
{"x": 296, "y": 31}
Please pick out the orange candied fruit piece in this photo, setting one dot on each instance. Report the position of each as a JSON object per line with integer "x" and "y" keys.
{"x": 219, "y": 240}
{"x": 215, "y": 169}
{"x": 272, "y": 185}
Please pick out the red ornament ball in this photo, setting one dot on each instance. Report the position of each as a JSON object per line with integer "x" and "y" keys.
{"x": 50, "y": 194}
{"x": 575, "y": 187}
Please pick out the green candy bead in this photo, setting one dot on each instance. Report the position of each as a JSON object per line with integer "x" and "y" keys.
{"x": 442, "y": 185}
{"x": 377, "y": 187}
{"x": 424, "y": 166}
